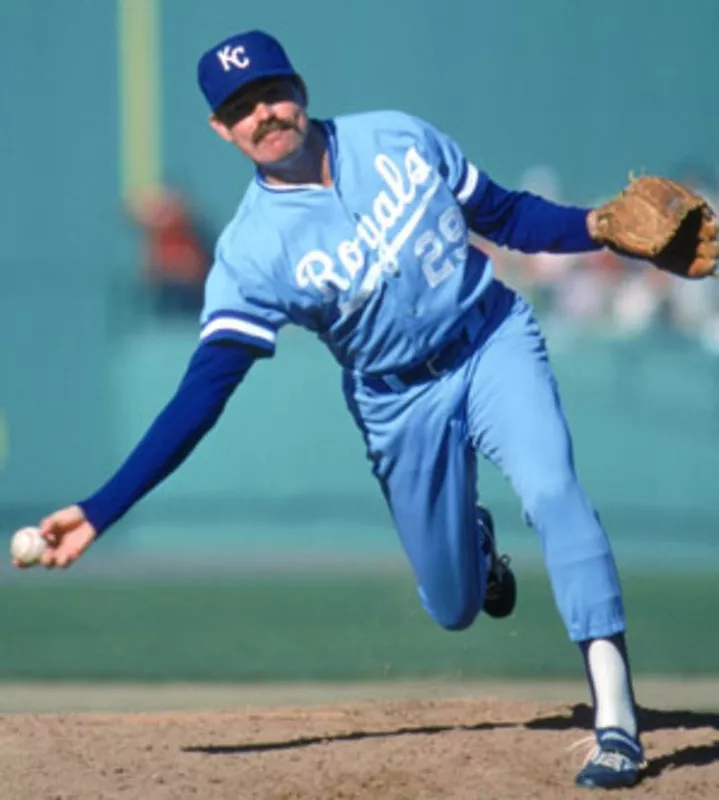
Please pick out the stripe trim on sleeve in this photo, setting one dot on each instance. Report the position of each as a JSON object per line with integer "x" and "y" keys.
{"x": 238, "y": 326}
{"x": 468, "y": 184}
{"x": 260, "y": 347}
{"x": 229, "y": 312}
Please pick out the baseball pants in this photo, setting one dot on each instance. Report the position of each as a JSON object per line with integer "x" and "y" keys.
{"x": 501, "y": 401}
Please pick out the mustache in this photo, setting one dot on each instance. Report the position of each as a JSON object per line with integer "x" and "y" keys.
{"x": 274, "y": 124}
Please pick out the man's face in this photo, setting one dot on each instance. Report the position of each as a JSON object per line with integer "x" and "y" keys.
{"x": 267, "y": 120}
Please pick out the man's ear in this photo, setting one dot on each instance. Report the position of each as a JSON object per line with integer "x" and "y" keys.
{"x": 220, "y": 128}
{"x": 301, "y": 87}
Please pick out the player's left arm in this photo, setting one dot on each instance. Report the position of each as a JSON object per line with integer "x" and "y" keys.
{"x": 526, "y": 222}
{"x": 514, "y": 219}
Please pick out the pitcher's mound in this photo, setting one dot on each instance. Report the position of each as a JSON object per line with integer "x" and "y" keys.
{"x": 412, "y": 749}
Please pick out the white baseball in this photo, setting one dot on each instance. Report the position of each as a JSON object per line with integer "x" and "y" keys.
{"x": 27, "y": 546}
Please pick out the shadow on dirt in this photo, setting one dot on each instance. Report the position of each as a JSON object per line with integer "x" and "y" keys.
{"x": 353, "y": 736}
{"x": 580, "y": 716}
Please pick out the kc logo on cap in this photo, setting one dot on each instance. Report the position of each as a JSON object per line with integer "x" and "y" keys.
{"x": 241, "y": 59}
{"x": 233, "y": 57}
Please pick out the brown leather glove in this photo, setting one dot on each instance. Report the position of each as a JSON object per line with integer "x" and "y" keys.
{"x": 663, "y": 222}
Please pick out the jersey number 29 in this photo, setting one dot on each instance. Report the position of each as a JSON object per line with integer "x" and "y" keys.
{"x": 438, "y": 250}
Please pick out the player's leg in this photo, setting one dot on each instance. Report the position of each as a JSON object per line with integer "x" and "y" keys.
{"x": 418, "y": 444}
{"x": 516, "y": 420}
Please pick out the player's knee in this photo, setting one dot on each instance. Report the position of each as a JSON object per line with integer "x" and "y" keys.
{"x": 549, "y": 491}
{"x": 459, "y": 623}
{"x": 560, "y": 503}
{"x": 454, "y": 617}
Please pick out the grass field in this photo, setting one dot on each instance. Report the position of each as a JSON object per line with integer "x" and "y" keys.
{"x": 317, "y": 627}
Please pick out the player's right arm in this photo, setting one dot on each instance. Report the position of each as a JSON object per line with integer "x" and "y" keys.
{"x": 240, "y": 321}
{"x": 215, "y": 370}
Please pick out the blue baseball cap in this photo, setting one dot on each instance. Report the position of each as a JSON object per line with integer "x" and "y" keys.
{"x": 238, "y": 61}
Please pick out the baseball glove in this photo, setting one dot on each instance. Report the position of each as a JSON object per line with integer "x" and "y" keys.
{"x": 663, "y": 222}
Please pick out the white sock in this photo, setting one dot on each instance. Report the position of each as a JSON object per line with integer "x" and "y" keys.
{"x": 612, "y": 692}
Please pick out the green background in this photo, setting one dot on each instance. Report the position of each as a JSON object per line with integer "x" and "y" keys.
{"x": 353, "y": 626}
{"x": 270, "y": 553}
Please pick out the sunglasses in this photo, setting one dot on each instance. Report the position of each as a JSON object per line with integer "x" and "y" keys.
{"x": 242, "y": 103}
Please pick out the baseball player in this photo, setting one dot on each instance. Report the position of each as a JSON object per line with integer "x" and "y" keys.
{"x": 356, "y": 228}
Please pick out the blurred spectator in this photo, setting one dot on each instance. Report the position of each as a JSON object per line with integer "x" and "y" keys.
{"x": 544, "y": 272}
{"x": 176, "y": 256}
{"x": 608, "y": 293}
{"x": 566, "y": 289}
{"x": 639, "y": 299}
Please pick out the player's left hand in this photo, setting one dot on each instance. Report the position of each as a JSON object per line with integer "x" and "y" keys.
{"x": 663, "y": 222}
{"x": 68, "y": 534}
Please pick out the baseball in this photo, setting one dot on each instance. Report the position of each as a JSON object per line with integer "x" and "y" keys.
{"x": 27, "y": 546}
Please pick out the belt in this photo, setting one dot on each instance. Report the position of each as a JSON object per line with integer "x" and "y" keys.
{"x": 453, "y": 353}
{"x": 484, "y": 318}
{"x": 450, "y": 355}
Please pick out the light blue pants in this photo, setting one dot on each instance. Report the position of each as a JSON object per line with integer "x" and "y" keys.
{"x": 501, "y": 402}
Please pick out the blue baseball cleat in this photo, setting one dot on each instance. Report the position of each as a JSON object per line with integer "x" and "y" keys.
{"x": 615, "y": 762}
{"x": 500, "y": 596}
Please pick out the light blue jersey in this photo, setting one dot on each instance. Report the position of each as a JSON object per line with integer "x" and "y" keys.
{"x": 441, "y": 361}
{"x": 378, "y": 265}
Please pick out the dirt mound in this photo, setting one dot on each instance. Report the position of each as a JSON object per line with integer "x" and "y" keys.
{"x": 408, "y": 750}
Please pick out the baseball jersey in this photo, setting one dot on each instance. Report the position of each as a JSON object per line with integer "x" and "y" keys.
{"x": 378, "y": 265}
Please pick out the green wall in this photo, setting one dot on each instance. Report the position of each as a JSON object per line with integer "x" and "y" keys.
{"x": 517, "y": 82}
{"x": 63, "y": 240}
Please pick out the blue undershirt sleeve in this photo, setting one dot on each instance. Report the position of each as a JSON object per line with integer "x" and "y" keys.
{"x": 526, "y": 222}
{"x": 214, "y": 372}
